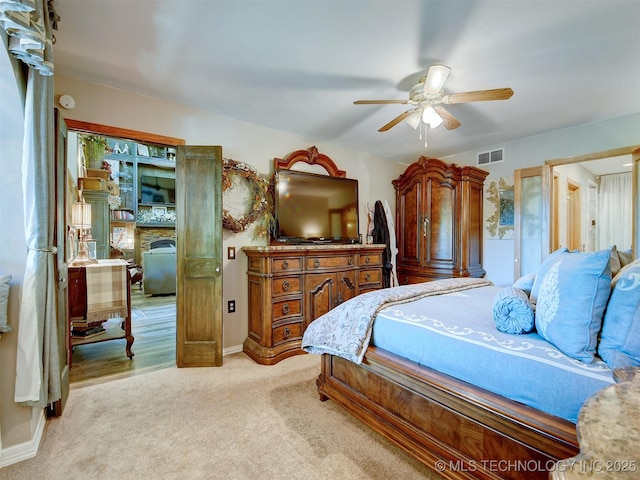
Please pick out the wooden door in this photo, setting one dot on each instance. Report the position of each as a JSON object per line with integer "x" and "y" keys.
{"x": 60, "y": 235}
{"x": 531, "y": 220}
{"x": 574, "y": 218}
{"x": 199, "y": 256}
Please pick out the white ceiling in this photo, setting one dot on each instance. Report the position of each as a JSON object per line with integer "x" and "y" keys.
{"x": 297, "y": 66}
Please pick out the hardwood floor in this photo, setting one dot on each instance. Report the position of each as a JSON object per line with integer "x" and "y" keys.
{"x": 153, "y": 325}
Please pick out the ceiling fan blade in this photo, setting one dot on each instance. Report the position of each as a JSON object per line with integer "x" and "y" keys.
{"x": 449, "y": 121}
{"x": 396, "y": 120}
{"x": 436, "y": 76}
{"x": 478, "y": 96}
{"x": 378, "y": 102}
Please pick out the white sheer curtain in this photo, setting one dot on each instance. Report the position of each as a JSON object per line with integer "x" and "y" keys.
{"x": 615, "y": 218}
{"x": 29, "y": 25}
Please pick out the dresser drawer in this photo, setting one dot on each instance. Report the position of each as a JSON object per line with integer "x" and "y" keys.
{"x": 286, "y": 308}
{"x": 286, "y": 286}
{"x": 334, "y": 261}
{"x": 368, "y": 277}
{"x": 287, "y": 332}
{"x": 287, "y": 264}
{"x": 373, "y": 259}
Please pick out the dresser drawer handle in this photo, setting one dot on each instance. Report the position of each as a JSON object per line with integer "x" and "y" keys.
{"x": 367, "y": 259}
{"x": 285, "y": 265}
{"x": 286, "y": 309}
{"x": 316, "y": 263}
{"x": 350, "y": 261}
{"x": 367, "y": 277}
{"x": 286, "y": 333}
{"x": 285, "y": 286}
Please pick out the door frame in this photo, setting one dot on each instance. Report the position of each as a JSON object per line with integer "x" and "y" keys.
{"x": 109, "y": 131}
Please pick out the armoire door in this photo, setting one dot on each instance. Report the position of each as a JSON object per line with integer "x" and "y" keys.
{"x": 409, "y": 223}
{"x": 199, "y": 256}
{"x": 439, "y": 223}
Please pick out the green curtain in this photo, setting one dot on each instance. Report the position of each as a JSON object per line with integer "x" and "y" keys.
{"x": 29, "y": 25}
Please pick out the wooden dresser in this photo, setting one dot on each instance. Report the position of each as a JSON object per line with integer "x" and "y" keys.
{"x": 439, "y": 221}
{"x": 290, "y": 286}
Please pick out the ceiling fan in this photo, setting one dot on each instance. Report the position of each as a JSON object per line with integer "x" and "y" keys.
{"x": 428, "y": 98}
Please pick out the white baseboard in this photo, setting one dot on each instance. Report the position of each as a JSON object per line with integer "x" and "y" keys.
{"x": 26, "y": 450}
{"x": 230, "y": 350}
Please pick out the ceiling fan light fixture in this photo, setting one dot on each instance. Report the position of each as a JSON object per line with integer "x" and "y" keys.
{"x": 436, "y": 76}
{"x": 414, "y": 119}
{"x": 431, "y": 117}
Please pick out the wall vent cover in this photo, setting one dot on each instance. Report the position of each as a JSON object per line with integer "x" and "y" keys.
{"x": 494, "y": 156}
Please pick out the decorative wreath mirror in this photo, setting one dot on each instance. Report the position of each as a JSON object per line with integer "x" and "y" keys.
{"x": 245, "y": 198}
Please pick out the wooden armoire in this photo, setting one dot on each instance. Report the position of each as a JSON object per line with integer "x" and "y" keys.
{"x": 439, "y": 223}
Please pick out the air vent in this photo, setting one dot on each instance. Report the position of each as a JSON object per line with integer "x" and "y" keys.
{"x": 494, "y": 156}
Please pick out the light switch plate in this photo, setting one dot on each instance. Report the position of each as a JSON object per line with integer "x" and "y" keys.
{"x": 231, "y": 253}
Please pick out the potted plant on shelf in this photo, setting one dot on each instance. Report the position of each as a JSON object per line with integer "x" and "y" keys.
{"x": 94, "y": 148}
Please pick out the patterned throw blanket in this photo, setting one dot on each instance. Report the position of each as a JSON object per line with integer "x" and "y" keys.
{"x": 345, "y": 331}
{"x": 106, "y": 290}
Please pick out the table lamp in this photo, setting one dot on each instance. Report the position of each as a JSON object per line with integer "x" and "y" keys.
{"x": 81, "y": 220}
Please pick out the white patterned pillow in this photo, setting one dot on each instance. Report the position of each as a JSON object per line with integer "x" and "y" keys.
{"x": 573, "y": 293}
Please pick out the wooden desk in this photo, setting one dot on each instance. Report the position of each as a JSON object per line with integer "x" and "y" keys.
{"x": 79, "y": 304}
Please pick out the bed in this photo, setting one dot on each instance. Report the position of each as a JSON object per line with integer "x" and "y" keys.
{"x": 464, "y": 398}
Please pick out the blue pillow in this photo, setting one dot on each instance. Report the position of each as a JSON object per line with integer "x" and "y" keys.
{"x": 525, "y": 283}
{"x": 571, "y": 300}
{"x": 620, "y": 337}
{"x": 512, "y": 311}
{"x": 549, "y": 261}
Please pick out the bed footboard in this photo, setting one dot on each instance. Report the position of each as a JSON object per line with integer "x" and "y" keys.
{"x": 456, "y": 429}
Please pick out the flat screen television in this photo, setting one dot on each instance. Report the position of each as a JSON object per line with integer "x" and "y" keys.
{"x": 311, "y": 208}
{"x": 157, "y": 189}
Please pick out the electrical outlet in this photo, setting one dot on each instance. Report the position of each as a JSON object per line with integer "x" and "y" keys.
{"x": 231, "y": 253}
{"x": 231, "y": 306}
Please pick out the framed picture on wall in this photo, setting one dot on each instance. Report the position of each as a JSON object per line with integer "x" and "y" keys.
{"x": 143, "y": 150}
{"x": 158, "y": 213}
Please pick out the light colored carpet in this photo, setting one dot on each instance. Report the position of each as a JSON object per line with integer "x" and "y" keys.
{"x": 239, "y": 421}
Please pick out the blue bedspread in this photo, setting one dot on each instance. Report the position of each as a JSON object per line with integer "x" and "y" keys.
{"x": 455, "y": 334}
{"x": 345, "y": 331}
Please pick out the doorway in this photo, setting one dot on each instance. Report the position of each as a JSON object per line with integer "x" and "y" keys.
{"x": 153, "y": 317}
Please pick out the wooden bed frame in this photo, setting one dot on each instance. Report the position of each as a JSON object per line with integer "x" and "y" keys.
{"x": 454, "y": 428}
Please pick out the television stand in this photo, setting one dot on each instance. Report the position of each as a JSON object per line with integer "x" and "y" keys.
{"x": 291, "y": 285}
